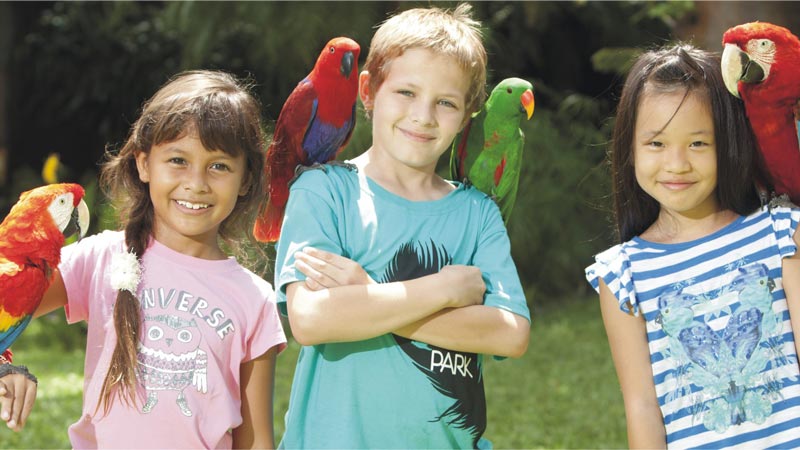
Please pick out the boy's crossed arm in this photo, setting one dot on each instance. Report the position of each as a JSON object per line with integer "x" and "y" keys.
{"x": 443, "y": 309}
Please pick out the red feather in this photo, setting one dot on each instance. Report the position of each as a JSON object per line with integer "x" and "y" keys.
{"x": 30, "y": 250}
{"x": 314, "y": 125}
{"x": 770, "y": 102}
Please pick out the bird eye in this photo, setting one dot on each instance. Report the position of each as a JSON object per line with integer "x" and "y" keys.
{"x": 332, "y": 49}
{"x": 509, "y": 90}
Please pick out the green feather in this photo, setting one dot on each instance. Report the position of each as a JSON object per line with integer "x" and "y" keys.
{"x": 491, "y": 157}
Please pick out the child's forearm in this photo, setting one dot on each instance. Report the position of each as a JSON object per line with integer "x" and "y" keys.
{"x": 475, "y": 329}
{"x": 358, "y": 312}
{"x": 791, "y": 288}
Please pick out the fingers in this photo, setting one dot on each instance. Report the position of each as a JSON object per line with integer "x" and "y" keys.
{"x": 27, "y": 406}
{"x": 17, "y": 396}
{"x": 315, "y": 280}
{"x": 5, "y": 402}
{"x": 328, "y": 270}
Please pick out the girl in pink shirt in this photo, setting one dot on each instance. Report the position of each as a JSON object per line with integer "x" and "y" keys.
{"x": 182, "y": 339}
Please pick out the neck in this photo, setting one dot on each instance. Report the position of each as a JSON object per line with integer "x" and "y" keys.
{"x": 415, "y": 184}
{"x": 671, "y": 228}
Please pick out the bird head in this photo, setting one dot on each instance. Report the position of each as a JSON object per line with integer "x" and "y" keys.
{"x": 340, "y": 56}
{"x": 55, "y": 205}
{"x": 763, "y": 57}
{"x": 513, "y": 96}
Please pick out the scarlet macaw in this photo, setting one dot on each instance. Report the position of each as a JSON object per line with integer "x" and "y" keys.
{"x": 31, "y": 237}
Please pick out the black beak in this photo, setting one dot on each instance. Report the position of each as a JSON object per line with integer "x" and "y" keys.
{"x": 74, "y": 225}
{"x": 347, "y": 64}
{"x": 751, "y": 70}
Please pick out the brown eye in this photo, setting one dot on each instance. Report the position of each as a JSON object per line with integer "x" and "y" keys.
{"x": 508, "y": 90}
{"x": 332, "y": 49}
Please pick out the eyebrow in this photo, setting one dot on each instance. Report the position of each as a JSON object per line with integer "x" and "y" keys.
{"x": 447, "y": 94}
{"x": 180, "y": 151}
{"x": 651, "y": 134}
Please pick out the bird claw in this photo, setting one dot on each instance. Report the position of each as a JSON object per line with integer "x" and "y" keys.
{"x": 780, "y": 200}
{"x": 299, "y": 169}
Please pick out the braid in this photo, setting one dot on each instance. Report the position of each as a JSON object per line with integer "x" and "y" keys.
{"x": 127, "y": 317}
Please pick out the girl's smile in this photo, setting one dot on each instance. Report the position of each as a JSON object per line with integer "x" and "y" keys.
{"x": 193, "y": 191}
{"x": 675, "y": 158}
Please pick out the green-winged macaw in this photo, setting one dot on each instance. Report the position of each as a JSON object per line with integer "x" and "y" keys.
{"x": 761, "y": 65}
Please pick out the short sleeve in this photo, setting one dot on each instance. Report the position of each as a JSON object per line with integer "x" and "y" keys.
{"x": 78, "y": 268}
{"x": 493, "y": 257}
{"x": 268, "y": 330}
{"x": 784, "y": 223}
{"x": 309, "y": 221}
{"x": 614, "y": 268}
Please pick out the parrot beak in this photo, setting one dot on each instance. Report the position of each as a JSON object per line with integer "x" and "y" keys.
{"x": 737, "y": 66}
{"x": 79, "y": 221}
{"x": 527, "y": 101}
{"x": 347, "y": 64}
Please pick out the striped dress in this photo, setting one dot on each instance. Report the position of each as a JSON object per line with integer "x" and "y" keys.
{"x": 721, "y": 345}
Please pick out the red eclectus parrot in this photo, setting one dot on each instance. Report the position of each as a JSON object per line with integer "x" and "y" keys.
{"x": 314, "y": 125}
{"x": 761, "y": 65}
{"x": 31, "y": 237}
{"x": 488, "y": 152}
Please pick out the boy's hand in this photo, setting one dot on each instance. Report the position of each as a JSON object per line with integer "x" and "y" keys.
{"x": 326, "y": 270}
{"x": 17, "y": 395}
{"x": 465, "y": 284}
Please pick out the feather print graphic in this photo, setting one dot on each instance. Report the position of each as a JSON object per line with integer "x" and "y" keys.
{"x": 455, "y": 375}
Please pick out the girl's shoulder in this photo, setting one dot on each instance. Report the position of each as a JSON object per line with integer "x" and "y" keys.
{"x": 103, "y": 242}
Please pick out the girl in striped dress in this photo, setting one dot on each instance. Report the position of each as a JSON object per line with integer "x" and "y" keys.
{"x": 697, "y": 299}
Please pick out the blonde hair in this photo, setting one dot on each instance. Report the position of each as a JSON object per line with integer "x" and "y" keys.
{"x": 452, "y": 33}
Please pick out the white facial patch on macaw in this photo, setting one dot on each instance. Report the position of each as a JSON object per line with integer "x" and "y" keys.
{"x": 60, "y": 209}
{"x": 763, "y": 52}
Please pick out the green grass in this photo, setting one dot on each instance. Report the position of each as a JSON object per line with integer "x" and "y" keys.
{"x": 562, "y": 394}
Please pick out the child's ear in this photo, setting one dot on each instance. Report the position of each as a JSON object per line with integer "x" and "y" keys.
{"x": 141, "y": 166}
{"x": 245, "y": 188}
{"x": 364, "y": 91}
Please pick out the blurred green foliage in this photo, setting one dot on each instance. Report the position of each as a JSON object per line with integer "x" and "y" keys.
{"x": 81, "y": 70}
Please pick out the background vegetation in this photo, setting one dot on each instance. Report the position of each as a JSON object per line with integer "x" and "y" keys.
{"x": 76, "y": 74}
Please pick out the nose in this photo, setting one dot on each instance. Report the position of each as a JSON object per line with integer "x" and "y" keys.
{"x": 196, "y": 180}
{"x": 677, "y": 160}
{"x": 422, "y": 112}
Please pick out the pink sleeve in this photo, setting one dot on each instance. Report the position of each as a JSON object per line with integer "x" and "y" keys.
{"x": 79, "y": 269}
{"x": 267, "y": 331}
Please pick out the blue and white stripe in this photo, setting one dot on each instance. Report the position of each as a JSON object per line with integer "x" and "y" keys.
{"x": 638, "y": 272}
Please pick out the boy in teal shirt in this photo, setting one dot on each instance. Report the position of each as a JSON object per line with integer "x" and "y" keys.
{"x": 396, "y": 362}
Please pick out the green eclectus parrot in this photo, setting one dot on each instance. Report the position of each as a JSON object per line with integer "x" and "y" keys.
{"x": 488, "y": 152}
{"x": 314, "y": 125}
{"x": 31, "y": 237}
{"x": 761, "y": 65}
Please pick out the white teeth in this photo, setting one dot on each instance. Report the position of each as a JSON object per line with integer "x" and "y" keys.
{"x": 192, "y": 205}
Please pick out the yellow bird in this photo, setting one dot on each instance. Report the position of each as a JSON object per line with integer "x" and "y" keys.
{"x": 50, "y": 168}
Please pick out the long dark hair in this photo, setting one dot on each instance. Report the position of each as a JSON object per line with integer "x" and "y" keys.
{"x": 226, "y": 117}
{"x": 682, "y": 67}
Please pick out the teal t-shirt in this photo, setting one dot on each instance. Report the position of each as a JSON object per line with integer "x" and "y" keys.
{"x": 388, "y": 391}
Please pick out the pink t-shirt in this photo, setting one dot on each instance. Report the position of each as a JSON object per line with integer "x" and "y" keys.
{"x": 201, "y": 320}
